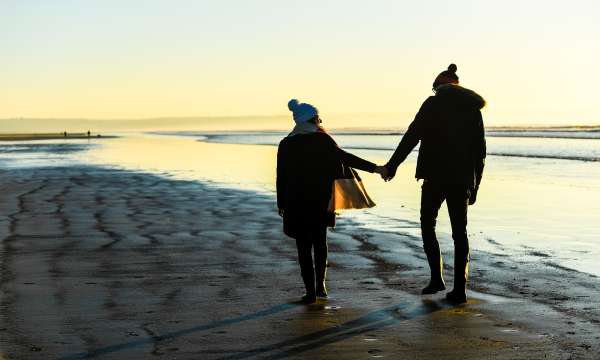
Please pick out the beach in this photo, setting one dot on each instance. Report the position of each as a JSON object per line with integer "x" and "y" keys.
{"x": 114, "y": 262}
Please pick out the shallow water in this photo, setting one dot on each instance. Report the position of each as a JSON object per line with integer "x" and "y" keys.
{"x": 499, "y": 144}
{"x": 531, "y": 208}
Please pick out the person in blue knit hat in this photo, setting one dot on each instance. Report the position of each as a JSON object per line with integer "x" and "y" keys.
{"x": 308, "y": 162}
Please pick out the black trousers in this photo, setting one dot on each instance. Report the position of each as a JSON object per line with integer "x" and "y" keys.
{"x": 433, "y": 194}
{"x": 308, "y": 239}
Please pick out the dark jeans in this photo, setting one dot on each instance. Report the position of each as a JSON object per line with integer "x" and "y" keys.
{"x": 307, "y": 239}
{"x": 433, "y": 195}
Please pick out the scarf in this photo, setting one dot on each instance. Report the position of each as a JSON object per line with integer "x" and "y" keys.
{"x": 305, "y": 128}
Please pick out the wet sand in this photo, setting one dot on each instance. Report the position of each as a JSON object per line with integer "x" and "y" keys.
{"x": 109, "y": 264}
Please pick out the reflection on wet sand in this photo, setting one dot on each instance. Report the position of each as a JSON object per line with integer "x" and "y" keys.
{"x": 124, "y": 264}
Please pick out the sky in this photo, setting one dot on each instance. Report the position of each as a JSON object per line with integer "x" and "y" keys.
{"x": 362, "y": 63}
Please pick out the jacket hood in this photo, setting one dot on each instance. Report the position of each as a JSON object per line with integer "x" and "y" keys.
{"x": 460, "y": 95}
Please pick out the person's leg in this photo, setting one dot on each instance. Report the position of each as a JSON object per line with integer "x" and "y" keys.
{"x": 457, "y": 200}
{"x": 431, "y": 200}
{"x": 320, "y": 245}
{"x": 304, "y": 245}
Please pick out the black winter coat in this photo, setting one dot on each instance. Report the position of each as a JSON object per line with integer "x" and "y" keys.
{"x": 450, "y": 128}
{"x": 307, "y": 165}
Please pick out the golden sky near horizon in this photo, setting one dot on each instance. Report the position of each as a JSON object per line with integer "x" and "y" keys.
{"x": 534, "y": 61}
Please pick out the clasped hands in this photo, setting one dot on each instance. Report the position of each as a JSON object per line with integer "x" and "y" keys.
{"x": 385, "y": 173}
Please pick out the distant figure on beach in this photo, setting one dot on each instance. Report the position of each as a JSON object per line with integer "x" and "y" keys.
{"x": 308, "y": 160}
{"x": 65, "y": 134}
{"x": 89, "y": 133}
{"x": 451, "y": 160}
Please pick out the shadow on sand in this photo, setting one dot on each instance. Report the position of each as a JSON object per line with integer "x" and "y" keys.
{"x": 175, "y": 334}
{"x": 372, "y": 321}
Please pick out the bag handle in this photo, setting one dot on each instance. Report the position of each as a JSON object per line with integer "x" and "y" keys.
{"x": 349, "y": 173}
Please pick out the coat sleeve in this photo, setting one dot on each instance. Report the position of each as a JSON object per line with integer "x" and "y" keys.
{"x": 349, "y": 159}
{"x": 355, "y": 162}
{"x": 411, "y": 138}
{"x": 479, "y": 148}
{"x": 281, "y": 176}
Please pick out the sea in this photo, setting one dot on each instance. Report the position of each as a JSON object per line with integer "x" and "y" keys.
{"x": 539, "y": 200}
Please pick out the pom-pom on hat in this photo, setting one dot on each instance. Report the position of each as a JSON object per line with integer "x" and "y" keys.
{"x": 446, "y": 77}
{"x": 302, "y": 111}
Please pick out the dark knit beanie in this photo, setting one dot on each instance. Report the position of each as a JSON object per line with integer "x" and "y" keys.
{"x": 446, "y": 77}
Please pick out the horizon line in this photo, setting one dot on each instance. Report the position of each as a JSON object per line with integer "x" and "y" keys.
{"x": 552, "y": 125}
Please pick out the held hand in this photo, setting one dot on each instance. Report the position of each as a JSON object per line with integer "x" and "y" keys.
{"x": 280, "y": 211}
{"x": 390, "y": 173}
{"x": 382, "y": 170}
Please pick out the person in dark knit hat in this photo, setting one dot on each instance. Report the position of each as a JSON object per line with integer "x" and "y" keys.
{"x": 451, "y": 157}
{"x": 446, "y": 77}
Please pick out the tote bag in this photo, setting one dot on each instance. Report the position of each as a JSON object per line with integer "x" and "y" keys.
{"x": 349, "y": 192}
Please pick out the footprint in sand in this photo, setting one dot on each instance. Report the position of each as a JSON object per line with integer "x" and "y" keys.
{"x": 376, "y": 353}
{"x": 370, "y": 338}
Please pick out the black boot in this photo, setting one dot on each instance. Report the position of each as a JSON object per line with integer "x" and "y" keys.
{"x": 306, "y": 270}
{"x": 310, "y": 296}
{"x": 308, "y": 299}
{"x": 458, "y": 295}
{"x": 321, "y": 275}
{"x": 320, "y": 246}
{"x": 308, "y": 276}
{"x": 436, "y": 283}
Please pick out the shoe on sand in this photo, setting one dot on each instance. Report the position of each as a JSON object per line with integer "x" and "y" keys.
{"x": 321, "y": 276}
{"x": 321, "y": 289}
{"x": 456, "y": 297}
{"x": 433, "y": 287}
{"x": 309, "y": 299}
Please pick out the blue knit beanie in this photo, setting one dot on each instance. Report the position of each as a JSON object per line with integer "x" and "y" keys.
{"x": 302, "y": 111}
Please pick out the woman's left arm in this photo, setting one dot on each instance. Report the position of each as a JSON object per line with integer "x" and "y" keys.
{"x": 354, "y": 161}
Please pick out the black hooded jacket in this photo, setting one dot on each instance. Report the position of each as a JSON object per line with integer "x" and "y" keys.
{"x": 307, "y": 166}
{"x": 450, "y": 128}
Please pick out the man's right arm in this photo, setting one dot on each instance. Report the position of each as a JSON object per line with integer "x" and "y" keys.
{"x": 410, "y": 139}
{"x": 480, "y": 149}
{"x": 479, "y": 153}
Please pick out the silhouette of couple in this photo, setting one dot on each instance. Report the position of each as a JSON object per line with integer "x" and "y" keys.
{"x": 451, "y": 157}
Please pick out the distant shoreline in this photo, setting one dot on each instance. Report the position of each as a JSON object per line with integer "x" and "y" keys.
{"x": 51, "y": 136}
{"x": 378, "y": 123}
